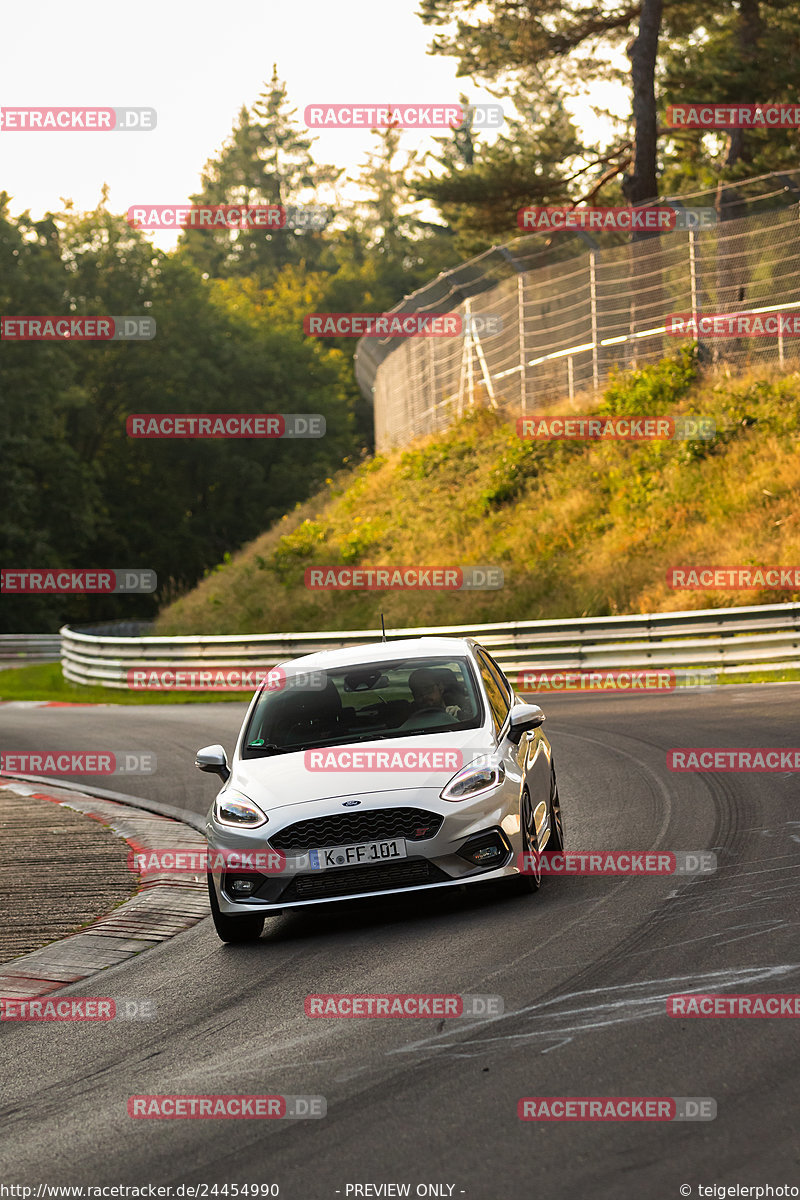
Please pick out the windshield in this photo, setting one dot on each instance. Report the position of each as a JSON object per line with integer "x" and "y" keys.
{"x": 365, "y": 702}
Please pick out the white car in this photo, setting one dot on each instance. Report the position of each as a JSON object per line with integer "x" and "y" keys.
{"x": 388, "y": 768}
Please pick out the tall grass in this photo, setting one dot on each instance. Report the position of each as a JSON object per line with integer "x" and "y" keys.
{"x": 578, "y": 528}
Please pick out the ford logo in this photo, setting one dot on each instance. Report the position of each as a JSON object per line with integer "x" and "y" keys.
{"x": 350, "y": 803}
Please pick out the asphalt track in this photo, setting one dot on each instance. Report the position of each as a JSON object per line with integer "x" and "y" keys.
{"x": 583, "y": 967}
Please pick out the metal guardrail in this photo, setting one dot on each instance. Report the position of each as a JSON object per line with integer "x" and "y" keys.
{"x": 30, "y": 647}
{"x": 730, "y": 641}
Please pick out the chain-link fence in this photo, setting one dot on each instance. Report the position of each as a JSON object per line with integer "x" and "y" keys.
{"x": 571, "y": 306}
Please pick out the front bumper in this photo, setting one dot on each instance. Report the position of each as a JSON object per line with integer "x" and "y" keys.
{"x": 432, "y": 863}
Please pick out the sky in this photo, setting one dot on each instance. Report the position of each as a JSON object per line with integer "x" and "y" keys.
{"x": 197, "y": 64}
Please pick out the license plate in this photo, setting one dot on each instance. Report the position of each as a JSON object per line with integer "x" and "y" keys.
{"x": 353, "y": 856}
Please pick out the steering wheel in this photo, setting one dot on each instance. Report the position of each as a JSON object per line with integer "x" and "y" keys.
{"x": 440, "y": 712}
{"x": 302, "y": 730}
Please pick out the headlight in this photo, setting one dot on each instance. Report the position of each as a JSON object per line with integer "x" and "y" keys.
{"x": 236, "y": 811}
{"x": 472, "y": 781}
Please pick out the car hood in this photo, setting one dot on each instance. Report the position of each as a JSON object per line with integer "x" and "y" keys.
{"x": 279, "y": 780}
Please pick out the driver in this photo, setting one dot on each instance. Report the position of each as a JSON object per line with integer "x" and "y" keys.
{"x": 428, "y": 692}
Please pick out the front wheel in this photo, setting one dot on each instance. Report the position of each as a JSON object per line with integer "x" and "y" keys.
{"x": 247, "y": 928}
{"x": 556, "y": 839}
{"x": 532, "y": 879}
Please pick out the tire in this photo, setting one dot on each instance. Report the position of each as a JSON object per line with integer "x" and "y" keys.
{"x": 234, "y": 929}
{"x": 556, "y": 839}
{"x": 525, "y": 884}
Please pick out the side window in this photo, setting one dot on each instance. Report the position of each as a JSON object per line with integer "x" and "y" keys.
{"x": 498, "y": 700}
{"x": 505, "y": 685}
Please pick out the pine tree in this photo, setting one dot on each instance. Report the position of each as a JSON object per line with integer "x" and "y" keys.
{"x": 266, "y": 160}
{"x": 483, "y": 186}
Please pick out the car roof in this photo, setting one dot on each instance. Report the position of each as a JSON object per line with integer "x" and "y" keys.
{"x": 422, "y": 647}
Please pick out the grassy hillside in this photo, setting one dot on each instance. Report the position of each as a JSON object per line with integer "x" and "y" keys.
{"x": 578, "y": 528}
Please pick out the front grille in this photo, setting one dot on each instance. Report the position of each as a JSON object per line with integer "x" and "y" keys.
{"x": 348, "y": 881}
{"x": 344, "y": 829}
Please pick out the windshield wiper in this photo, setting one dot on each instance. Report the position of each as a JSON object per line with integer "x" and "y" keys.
{"x": 374, "y": 736}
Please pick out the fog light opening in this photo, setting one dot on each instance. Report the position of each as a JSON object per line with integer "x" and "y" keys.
{"x": 486, "y": 853}
{"x": 239, "y": 887}
{"x": 486, "y": 850}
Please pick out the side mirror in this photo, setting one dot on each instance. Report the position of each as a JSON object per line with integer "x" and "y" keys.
{"x": 214, "y": 760}
{"x": 524, "y": 717}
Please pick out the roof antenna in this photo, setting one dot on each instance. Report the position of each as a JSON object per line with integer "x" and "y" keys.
{"x": 383, "y": 629}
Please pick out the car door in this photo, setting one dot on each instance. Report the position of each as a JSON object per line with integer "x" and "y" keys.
{"x": 528, "y": 761}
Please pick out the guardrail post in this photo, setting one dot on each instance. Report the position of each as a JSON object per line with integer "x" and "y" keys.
{"x": 593, "y": 301}
{"x": 468, "y": 352}
{"x": 461, "y": 374}
{"x": 523, "y": 370}
{"x": 693, "y": 282}
{"x": 487, "y": 378}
